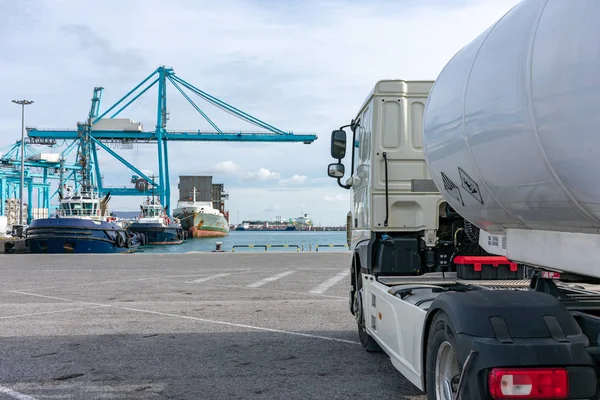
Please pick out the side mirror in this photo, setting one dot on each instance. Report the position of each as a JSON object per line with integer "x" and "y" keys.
{"x": 338, "y": 144}
{"x": 336, "y": 170}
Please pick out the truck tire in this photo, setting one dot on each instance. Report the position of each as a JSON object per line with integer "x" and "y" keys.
{"x": 368, "y": 343}
{"x": 442, "y": 365}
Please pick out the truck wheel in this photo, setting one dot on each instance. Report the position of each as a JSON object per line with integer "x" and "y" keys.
{"x": 442, "y": 363}
{"x": 368, "y": 343}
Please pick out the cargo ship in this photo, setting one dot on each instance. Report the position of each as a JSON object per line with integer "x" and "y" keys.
{"x": 303, "y": 223}
{"x": 200, "y": 208}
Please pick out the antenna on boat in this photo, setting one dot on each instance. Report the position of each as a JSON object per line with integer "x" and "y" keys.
{"x": 153, "y": 188}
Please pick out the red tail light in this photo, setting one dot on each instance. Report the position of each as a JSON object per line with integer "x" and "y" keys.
{"x": 529, "y": 383}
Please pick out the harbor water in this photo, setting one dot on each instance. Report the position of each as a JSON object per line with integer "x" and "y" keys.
{"x": 305, "y": 241}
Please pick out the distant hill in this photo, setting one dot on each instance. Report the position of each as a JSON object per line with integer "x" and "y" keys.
{"x": 126, "y": 214}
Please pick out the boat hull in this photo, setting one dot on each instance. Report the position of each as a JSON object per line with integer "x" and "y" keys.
{"x": 78, "y": 236}
{"x": 157, "y": 234}
{"x": 201, "y": 225}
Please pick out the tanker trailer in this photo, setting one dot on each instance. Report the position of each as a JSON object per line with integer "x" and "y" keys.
{"x": 512, "y": 121}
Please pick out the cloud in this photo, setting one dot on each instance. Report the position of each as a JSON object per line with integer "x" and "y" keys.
{"x": 337, "y": 197}
{"x": 101, "y": 51}
{"x": 225, "y": 167}
{"x": 273, "y": 207}
{"x": 295, "y": 179}
{"x": 263, "y": 174}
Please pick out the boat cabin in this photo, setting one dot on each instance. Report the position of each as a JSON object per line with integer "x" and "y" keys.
{"x": 81, "y": 206}
{"x": 152, "y": 210}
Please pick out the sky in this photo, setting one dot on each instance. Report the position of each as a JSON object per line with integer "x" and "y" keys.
{"x": 303, "y": 66}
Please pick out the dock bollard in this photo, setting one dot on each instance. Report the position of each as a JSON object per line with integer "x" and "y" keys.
{"x": 218, "y": 248}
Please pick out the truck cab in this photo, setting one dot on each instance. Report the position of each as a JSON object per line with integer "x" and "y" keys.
{"x": 397, "y": 213}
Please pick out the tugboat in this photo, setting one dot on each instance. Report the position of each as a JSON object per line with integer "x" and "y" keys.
{"x": 82, "y": 225}
{"x": 155, "y": 226}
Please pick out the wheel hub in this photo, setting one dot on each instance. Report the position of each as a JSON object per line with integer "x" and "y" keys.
{"x": 446, "y": 372}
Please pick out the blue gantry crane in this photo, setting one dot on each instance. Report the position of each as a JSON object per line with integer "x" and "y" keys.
{"x": 38, "y": 173}
{"x": 99, "y": 130}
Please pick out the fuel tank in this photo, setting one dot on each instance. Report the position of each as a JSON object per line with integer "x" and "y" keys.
{"x": 512, "y": 123}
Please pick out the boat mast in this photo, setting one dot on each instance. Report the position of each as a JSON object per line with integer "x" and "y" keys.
{"x": 83, "y": 156}
{"x": 84, "y": 153}
{"x": 153, "y": 188}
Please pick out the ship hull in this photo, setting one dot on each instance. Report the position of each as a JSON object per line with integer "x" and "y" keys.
{"x": 286, "y": 229}
{"x": 78, "y": 236}
{"x": 201, "y": 225}
{"x": 205, "y": 232}
{"x": 157, "y": 234}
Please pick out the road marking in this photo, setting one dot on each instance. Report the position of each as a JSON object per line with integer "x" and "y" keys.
{"x": 322, "y": 288}
{"x": 15, "y": 394}
{"x": 50, "y": 312}
{"x": 258, "y": 328}
{"x": 259, "y": 288}
{"x": 270, "y": 279}
{"x": 201, "y": 272}
{"x": 43, "y": 296}
{"x": 93, "y": 283}
{"x": 210, "y": 321}
{"x": 208, "y": 278}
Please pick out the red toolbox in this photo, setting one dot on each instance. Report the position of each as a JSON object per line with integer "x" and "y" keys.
{"x": 487, "y": 267}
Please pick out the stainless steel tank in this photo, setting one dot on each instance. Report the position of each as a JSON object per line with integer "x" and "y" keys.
{"x": 512, "y": 123}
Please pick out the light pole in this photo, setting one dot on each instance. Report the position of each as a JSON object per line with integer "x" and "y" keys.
{"x": 22, "y": 103}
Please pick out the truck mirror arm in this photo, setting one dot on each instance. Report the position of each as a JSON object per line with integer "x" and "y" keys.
{"x": 342, "y": 185}
{"x": 352, "y": 125}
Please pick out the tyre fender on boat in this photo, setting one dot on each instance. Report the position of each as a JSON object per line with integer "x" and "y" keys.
{"x": 119, "y": 240}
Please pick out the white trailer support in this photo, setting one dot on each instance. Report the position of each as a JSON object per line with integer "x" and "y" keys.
{"x": 455, "y": 273}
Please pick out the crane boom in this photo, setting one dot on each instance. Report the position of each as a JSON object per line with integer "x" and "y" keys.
{"x": 107, "y": 128}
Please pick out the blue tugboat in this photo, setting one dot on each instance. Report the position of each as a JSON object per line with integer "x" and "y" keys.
{"x": 154, "y": 225}
{"x": 82, "y": 225}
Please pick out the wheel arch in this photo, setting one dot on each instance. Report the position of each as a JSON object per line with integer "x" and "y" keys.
{"x": 359, "y": 264}
{"x": 520, "y": 314}
{"x": 431, "y": 314}
{"x": 355, "y": 267}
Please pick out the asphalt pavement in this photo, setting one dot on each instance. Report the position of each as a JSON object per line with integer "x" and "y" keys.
{"x": 185, "y": 326}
